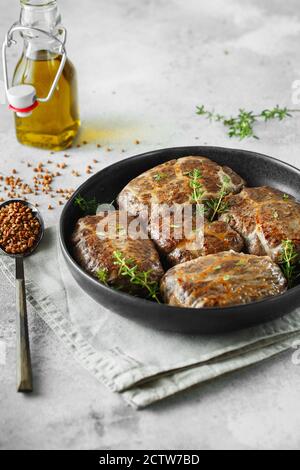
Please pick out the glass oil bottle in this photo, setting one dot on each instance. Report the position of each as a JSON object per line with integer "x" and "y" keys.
{"x": 52, "y": 124}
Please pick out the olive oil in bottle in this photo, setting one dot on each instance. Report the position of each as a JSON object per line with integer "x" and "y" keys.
{"x": 53, "y": 124}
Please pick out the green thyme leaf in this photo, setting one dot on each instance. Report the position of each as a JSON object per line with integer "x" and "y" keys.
{"x": 159, "y": 176}
{"x": 102, "y": 275}
{"x": 241, "y": 262}
{"x": 88, "y": 206}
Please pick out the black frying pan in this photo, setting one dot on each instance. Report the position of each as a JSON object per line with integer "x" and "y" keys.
{"x": 256, "y": 169}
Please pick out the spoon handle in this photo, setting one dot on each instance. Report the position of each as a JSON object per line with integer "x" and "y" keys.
{"x": 24, "y": 371}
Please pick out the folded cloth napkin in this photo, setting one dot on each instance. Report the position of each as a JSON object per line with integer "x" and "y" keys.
{"x": 142, "y": 364}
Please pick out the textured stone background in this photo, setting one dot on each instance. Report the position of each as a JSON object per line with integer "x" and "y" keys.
{"x": 143, "y": 66}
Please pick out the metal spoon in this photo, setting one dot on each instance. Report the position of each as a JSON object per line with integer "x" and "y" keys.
{"x": 24, "y": 370}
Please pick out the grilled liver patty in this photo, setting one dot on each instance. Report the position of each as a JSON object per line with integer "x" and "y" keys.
{"x": 222, "y": 280}
{"x": 169, "y": 184}
{"x": 216, "y": 237}
{"x": 264, "y": 217}
{"x": 94, "y": 250}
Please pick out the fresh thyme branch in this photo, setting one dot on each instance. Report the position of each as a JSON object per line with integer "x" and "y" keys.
{"x": 242, "y": 125}
{"x": 216, "y": 206}
{"x": 127, "y": 268}
{"x": 197, "y": 187}
{"x": 289, "y": 262}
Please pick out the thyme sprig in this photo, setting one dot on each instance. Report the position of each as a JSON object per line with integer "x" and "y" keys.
{"x": 129, "y": 269}
{"x": 88, "y": 206}
{"x": 217, "y": 206}
{"x": 102, "y": 275}
{"x": 196, "y": 185}
{"x": 289, "y": 261}
{"x": 242, "y": 125}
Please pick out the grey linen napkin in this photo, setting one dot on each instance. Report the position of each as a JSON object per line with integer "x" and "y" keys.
{"x": 140, "y": 363}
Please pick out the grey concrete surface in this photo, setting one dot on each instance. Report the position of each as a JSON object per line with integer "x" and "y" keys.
{"x": 143, "y": 66}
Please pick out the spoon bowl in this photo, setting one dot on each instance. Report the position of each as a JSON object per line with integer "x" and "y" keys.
{"x": 38, "y": 216}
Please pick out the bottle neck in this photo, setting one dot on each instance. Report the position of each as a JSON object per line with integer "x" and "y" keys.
{"x": 41, "y": 14}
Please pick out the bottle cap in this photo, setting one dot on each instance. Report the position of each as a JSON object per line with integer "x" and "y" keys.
{"x": 22, "y": 99}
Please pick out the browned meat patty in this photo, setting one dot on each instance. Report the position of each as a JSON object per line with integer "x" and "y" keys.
{"x": 265, "y": 217}
{"x": 222, "y": 280}
{"x": 169, "y": 184}
{"x": 179, "y": 247}
{"x": 94, "y": 249}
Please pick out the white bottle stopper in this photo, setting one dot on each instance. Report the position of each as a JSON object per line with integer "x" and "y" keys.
{"x": 22, "y": 99}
